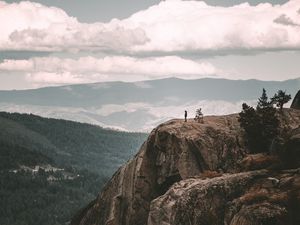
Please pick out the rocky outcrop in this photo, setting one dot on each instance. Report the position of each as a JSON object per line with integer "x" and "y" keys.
{"x": 296, "y": 101}
{"x": 165, "y": 182}
{"x": 248, "y": 198}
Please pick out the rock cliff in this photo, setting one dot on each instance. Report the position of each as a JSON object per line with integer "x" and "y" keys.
{"x": 200, "y": 173}
{"x": 296, "y": 101}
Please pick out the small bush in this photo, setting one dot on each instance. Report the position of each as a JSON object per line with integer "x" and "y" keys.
{"x": 280, "y": 98}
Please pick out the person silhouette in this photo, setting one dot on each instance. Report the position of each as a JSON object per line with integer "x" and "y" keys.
{"x": 185, "y": 115}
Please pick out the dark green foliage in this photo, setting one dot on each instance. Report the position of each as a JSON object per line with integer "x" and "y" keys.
{"x": 280, "y": 98}
{"x": 80, "y": 145}
{"x": 85, "y": 155}
{"x": 269, "y": 126}
{"x": 263, "y": 101}
{"x": 248, "y": 119}
{"x": 12, "y": 156}
{"x": 28, "y": 198}
{"x": 261, "y": 125}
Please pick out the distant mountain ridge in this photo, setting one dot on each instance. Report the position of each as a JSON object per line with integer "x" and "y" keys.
{"x": 126, "y": 92}
{"x": 140, "y": 106}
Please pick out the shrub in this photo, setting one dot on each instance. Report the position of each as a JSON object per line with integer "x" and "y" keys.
{"x": 280, "y": 98}
{"x": 199, "y": 116}
{"x": 260, "y": 125}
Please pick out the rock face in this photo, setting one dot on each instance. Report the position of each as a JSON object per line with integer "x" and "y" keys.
{"x": 191, "y": 173}
{"x": 296, "y": 101}
{"x": 248, "y": 198}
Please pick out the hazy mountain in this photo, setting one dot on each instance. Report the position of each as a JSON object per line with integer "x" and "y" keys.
{"x": 140, "y": 106}
{"x": 51, "y": 168}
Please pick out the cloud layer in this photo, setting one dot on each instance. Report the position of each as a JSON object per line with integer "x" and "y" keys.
{"x": 164, "y": 40}
{"x": 169, "y": 27}
{"x": 32, "y": 26}
{"x": 194, "y": 26}
{"x": 54, "y": 70}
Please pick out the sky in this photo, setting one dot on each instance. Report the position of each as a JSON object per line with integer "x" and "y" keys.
{"x": 56, "y": 42}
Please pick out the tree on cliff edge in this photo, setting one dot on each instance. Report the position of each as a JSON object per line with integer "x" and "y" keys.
{"x": 260, "y": 125}
{"x": 263, "y": 101}
{"x": 249, "y": 121}
{"x": 280, "y": 98}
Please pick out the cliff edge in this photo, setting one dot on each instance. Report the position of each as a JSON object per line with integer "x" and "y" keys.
{"x": 200, "y": 173}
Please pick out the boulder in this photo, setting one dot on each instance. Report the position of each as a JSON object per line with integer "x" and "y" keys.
{"x": 248, "y": 198}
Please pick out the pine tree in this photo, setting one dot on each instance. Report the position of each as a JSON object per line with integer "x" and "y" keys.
{"x": 269, "y": 124}
{"x": 261, "y": 125}
{"x": 280, "y": 98}
{"x": 263, "y": 101}
{"x": 250, "y": 122}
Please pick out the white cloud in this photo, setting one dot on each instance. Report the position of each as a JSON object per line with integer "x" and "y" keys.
{"x": 32, "y": 26}
{"x": 50, "y": 78}
{"x": 109, "y": 109}
{"x": 194, "y": 26}
{"x": 171, "y": 26}
{"x": 54, "y": 70}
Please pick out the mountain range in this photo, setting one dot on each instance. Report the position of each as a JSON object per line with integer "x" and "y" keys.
{"x": 140, "y": 106}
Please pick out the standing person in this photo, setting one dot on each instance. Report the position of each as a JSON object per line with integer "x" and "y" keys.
{"x": 185, "y": 115}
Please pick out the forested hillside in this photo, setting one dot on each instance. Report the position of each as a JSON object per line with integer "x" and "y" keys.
{"x": 51, "y": 168}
